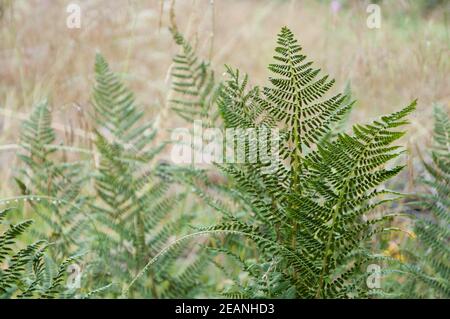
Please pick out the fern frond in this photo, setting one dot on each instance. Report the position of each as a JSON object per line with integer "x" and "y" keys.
{"x": 312, "y": 213}
{"x": 193, "y": 82}
{"x": 53, "y": 189}
{"x": 294, "y": 98}
{"x": 432, "y": 229}
{"x": 135, "y": 202}
{"x": 23, "y": 271}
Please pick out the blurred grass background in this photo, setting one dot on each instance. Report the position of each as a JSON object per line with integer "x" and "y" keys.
{"x": 407, "y": 58}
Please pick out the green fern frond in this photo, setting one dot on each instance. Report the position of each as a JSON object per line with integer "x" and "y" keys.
{"x": 53, "y": 189}
{"x": 294, "y": 98}
{"x": 312, "y": 213}
{"x": 193, "y": 83}
{"x": 432, "y": 229}
{"x": 23, "y": 272}
{"x": 135, "y": 204}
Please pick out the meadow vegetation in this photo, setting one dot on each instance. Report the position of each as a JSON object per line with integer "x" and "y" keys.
{"x": 92, "y": 205}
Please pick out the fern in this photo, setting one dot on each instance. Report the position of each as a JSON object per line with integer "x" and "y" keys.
{"x": 341, "y": 125}
{"x": 51, "y": 187}
{"x": 193, "y": 83}
{"x": 432, "y": 268}
{"x": 312, "y": 214}
{"x": 24, "y": 272}
{"x": 297, "y": 225}
{"x": 135, "y": 204}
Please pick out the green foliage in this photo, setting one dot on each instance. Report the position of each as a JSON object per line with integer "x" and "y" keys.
{"x": 193, "y": 83}
{"x": 297, "y": 223}
{"x": 26, "y": 272}
{"x": 51, "y": 187}
{"x": 431, "y": 268}
{"x": 135, "y": 200}
{"x": 341, "y": 125}
{"x": 308, "y": 212}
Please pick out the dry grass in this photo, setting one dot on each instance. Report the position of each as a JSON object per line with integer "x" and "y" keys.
{"x": 40, "y": 57}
